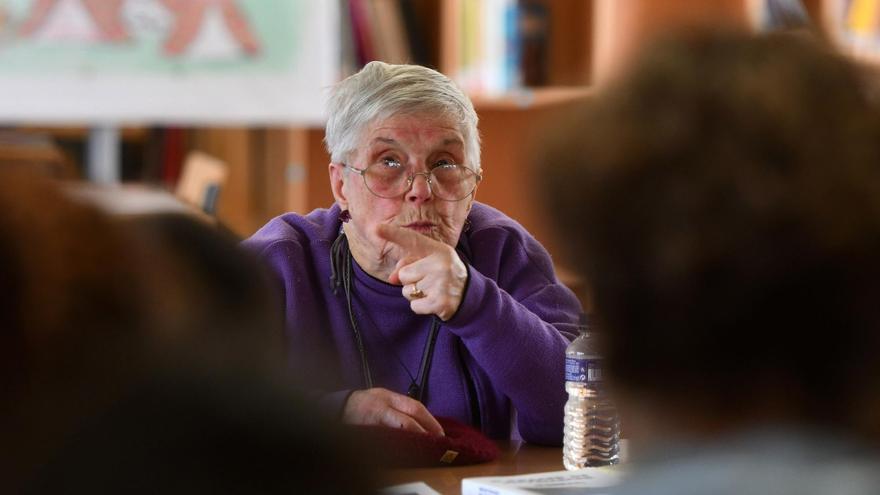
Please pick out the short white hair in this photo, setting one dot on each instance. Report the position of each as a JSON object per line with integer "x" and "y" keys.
{"x": 381, "y": 90}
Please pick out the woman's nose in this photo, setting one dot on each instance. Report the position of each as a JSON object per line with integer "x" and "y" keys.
{"x": 420, "y": 188}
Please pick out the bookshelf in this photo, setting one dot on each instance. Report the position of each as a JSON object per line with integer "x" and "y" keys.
{"x": 552, "y": 38}
{"x": 580, "y": 42}
{"x": 279, "y": 169}
{"x": 284, "y": 168}
{"x": 288, "y": 166}
{"x": 526, "y": 99}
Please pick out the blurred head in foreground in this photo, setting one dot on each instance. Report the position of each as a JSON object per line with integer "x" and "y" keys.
{"x": 214, "y": 297}
{"x": 723, "y": 200}
{"x": 135, "y": 358}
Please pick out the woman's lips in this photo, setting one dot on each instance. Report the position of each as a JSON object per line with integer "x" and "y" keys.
{"x": 421, "y": 227}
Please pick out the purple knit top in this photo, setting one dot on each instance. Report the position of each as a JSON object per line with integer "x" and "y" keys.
{"x": 497, "y": 363}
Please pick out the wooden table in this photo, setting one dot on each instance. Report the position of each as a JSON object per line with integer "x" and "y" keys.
{"x": 515, "y": 458}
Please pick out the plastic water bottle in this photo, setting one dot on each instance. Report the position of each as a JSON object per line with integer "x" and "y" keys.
{"x": 592, "y": 429}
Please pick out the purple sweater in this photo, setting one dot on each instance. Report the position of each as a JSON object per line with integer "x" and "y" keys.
{"x": 501, "y": 356}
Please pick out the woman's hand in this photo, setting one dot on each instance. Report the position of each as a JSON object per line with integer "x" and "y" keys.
{"x": 432, "y": 274}
{"x": 379, "y": 406}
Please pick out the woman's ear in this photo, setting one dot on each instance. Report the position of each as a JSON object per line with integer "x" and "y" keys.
{"x": 337, "y": 181}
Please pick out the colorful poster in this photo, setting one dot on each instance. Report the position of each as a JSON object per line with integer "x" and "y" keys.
{"x": 159, "y": 61}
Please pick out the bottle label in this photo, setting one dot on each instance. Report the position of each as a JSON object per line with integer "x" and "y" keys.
{"x": 583, "y": 370}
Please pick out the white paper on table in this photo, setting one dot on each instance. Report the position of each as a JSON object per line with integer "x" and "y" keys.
{"x": 417, "y": 488}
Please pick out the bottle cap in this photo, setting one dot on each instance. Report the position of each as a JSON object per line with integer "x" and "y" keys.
{"x": 584, "y": 321}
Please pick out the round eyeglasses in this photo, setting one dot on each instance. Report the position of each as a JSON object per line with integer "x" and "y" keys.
{"x": 390, "y": 179}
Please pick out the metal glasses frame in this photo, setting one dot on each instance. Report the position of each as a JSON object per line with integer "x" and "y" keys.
{"x": 412, "y": 177}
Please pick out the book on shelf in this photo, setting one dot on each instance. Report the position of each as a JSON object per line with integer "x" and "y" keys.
{"x": 502, "y": 45}
{"x": 415, "y": 26}
{"x": 348, "y": 54}
{"x": 855, "y": 26}
{"x": 360, "y": 15}
{"x": 862, "y": 25}
{"x": 498, "y": 45}
{"x": 862, "y": 17}
{"x": 534, "y": 31}
{"x": 386, "y": 30}
{"x": 588, "y": 481}
{"x": 489, "y": 34}
{"x": 776, "y": 15}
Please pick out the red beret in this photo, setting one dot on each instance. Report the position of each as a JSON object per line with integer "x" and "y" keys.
{"x": 400, "y": 448}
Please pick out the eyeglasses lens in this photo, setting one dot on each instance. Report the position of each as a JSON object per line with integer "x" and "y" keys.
{"x": 448, "y": 182}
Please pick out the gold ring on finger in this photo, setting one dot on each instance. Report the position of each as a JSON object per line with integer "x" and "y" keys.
{"x": 416, "y": 293}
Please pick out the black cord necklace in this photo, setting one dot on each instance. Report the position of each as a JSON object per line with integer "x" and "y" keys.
{"x": 340, "y": 254}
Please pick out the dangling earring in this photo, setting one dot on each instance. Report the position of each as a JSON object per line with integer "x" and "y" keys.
{"x": 344, "y": 216}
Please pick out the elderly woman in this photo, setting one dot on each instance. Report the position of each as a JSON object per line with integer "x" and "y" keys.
{"x": 407, "y": 300}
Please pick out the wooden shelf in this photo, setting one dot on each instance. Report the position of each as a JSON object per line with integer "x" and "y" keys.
{"x": 531, "y": 98}
{"x": 82, "y": 132}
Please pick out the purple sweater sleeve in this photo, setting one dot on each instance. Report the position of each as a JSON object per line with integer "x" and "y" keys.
{"x": 516, "y": 319}
{"x": 284, "y": 250}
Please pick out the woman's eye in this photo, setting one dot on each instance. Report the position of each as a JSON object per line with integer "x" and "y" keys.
{"x": 390, "y": 162}
{"x": 443, "y": 163}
